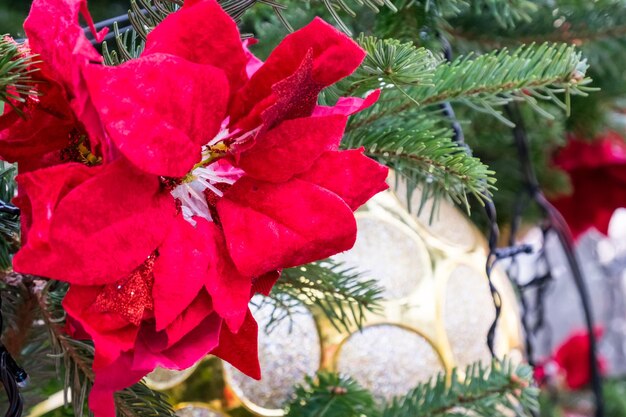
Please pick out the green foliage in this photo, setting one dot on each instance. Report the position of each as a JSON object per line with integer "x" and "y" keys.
{"x": 404, "y": 131}
{"x": 421, "y": 149}
{"x": 9, "y": 223}
{"x": 495, "y": 391}
{"x": 614, "y": 397}
{"x": 336, "y": 291}
{"x": 331, "y": 395}
{"x": 492, "y": 142}
{"x": 16, "y": 82}
{"x": 413, "y": 76}
{"x": 498, "y": 390}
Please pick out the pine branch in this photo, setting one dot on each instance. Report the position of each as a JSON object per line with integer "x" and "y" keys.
{"x": 338, "y": 292}
{"x": 334, "y": 5}
{"x": 498, "y": 390}
{"x": 421, "y": 149}
{"x": 529, "y": 74}
{"x": 331, "y": 395}
{"x": 598, "y": 28}
{"x": 16, "y": 82}
{"x": 9, "y": 222}
{"x": 75, "y": 358}
{"x": 506, "y": 13}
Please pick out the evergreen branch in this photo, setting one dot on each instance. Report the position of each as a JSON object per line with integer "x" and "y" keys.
{"x": 141, "y": 401}
{"x": 422, "y": 150}
{"x": 505, "y": 13}
{"x": 330, "y": 395}
{"x": 498, "y": 390}
{"x": 16, "y": 82}
{"x": 338, "y": 292}
{"x": 391, "y": 63}
{"x": 9, "y": 222}
{"x": 486, "y": 82}
{"x": 75, "y": 358}
{"x": 598, "y": 28}
{"x": 334, "y": 5}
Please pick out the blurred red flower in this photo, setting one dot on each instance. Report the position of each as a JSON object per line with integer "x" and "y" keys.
{"x": 597, "y": 170}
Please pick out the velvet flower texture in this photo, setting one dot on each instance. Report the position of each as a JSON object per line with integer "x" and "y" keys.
{"x": 39, "y": 131}
{"x": 219, "y": 171}
{"x": 597, "y": 170}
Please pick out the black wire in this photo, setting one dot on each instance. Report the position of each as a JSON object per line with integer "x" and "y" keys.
{"x": 9, "y": 208}
{"x": 12, "y": 377}
{"x": 490, "y": 211}
{"x": 16, "y": 403}
{"x": 560, "y": 228}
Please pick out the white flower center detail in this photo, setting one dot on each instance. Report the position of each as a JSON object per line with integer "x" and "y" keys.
{"x": 191, "y": 194}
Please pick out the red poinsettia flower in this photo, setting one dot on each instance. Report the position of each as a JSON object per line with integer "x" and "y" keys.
{"x": 597, "y": 170}
{"x": 214, "y": 184}
{"x": 570, "y": 361}
{"x": 44, "y": 125}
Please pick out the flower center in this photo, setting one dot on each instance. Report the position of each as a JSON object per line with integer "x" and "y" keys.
{"x": 209, "y": 177}
{"x": 79, "y": 150}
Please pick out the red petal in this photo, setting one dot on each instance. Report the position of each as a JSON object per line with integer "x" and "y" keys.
{"x": 39, "y": 194}
{"x": 110, "y": 332}
{"x": 182, "y": 107}
{"x": 114, "y": 377}
{"x": 348, "y": 106}
{"x": 230, "y": 290}
{"x": 253, "y": 63}
{"x": 294, "y": 223}
{"x": 181, "y": 269}
{"x": 202, "y": 33}
{"x": 333, "y": 55}
{"x": 101, "y": 230}
{"x": 196, "y": 344}
{"x": 198, "y": 310}
{"x": 42, "y": 128}
{"x": 291, "y": 147}
{"x": 351, "y": 175}
{"x": 64, "y": 49}
{"x": 240, "y": 349}
{"x": 60, "y": 41}
{"x": 264, "y": 283}
{"x": 34, "y": 136}
{"x": 192, "y": 347}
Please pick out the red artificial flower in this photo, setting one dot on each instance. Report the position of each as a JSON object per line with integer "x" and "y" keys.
{"x": 214, "y": 180}
{"x": 597, "y": 170}
{"x": 43, "y": 126}
{"x": 570, "y": 361}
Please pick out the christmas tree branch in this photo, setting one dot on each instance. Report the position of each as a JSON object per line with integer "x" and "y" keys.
{"x": 485, "y": 82}
{"x": 498, "y": 390}
{"x": 422, "y": 150}
{"x": 338, "y": 292}
{"x": 16, "y": 82}
{"x": 331, "y": 395}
